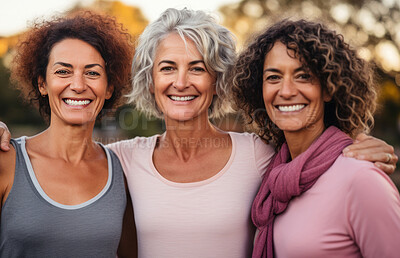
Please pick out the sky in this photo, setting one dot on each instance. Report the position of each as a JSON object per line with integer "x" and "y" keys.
{"x": 15, "y": 15}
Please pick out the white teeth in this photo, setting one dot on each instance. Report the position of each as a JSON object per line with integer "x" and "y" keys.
{"x": 185, "y": 98}
{"x": 76, "y": 102}
{"x": 290, "y": 108}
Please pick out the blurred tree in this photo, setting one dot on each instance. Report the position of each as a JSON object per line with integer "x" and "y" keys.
{"x": 132, "y": 17}
{"x": 13, "y": 110}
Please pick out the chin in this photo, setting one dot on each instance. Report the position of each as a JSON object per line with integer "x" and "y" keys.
{"x": 290, "y": 127}
{"x": 80, "y": 121}
{"x": 182, "y": 117}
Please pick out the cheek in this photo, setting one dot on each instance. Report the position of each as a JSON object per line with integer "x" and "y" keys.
{"x": 267, "y": 96}
{"x": 158, "y": 85}
{"x": 157, "y": 99}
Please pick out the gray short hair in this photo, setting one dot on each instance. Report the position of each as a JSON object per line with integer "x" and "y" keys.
{"x": 214, "y": 42}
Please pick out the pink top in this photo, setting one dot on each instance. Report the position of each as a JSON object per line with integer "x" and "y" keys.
{"x": 210, "y": 218}
{"x": 353, "y": 210}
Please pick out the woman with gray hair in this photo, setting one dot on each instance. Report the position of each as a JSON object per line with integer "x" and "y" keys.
{"x": 192, "y": 187}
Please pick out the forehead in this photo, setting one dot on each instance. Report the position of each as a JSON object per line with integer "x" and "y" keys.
{"x": 174, "y": 46}
{"x": 281, "y": 55}
{"x": 74, "y": 51}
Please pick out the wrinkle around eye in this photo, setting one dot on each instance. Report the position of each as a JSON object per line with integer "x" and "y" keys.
{"x": 62, "y": 73}
{"x": 93, "y": 73}
{"x": 167, "y": 69}
{"x": 272, "y": 78}
{"x": 198, "y": 69}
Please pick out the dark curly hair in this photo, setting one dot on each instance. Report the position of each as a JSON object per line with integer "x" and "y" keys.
{"x": 101, "y": 31}
{"x": 344, "y": 75}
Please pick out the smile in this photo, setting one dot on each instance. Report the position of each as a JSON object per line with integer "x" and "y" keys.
{"x": 291, "y": 108}
{"x": 184, "y": 98}
{"x": 72, "y": 102}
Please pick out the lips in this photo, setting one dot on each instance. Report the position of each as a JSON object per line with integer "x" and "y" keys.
{"x": 290, "y": 108}
{"x": 182, "y": 98}
{"x": 74, "y": 102}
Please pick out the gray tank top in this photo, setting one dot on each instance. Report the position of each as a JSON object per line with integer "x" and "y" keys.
{"x": 34, "y": 225}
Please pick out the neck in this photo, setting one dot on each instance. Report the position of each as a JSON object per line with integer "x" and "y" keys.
{"x": 188, "y": 137}
{"x": 72, "y": 143}
{"x": 299, "y": 141}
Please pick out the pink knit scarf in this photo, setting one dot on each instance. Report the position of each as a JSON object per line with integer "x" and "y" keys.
{"x": 283, "y": 181}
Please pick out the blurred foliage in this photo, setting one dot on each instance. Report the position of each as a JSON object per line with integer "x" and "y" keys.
{"x": 13, "y": 110}
{"x": 131, "y": 17}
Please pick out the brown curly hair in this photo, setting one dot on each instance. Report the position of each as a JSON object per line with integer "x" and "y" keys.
{"x": 101, "y": 31}
{"x": 345, "y": 76}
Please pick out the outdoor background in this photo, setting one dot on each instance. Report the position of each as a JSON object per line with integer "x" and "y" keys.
{"x": 373, "y": 27}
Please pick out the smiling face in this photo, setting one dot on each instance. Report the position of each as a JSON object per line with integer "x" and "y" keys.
{"x": 76, "y": 82}
{"x": 183, "y": 88}
{"x": 293, "y": 97}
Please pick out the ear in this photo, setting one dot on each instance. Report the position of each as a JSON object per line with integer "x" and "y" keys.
{"x": 42, "y": 86}
{"x": 109, "y": 91}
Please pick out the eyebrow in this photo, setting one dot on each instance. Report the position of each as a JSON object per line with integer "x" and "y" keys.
{"x": 275, "y": 70}
{"x": 190, "y": 63}
{"x": 70, "y": 66}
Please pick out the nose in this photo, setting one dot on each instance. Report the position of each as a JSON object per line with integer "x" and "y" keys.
{"x": 78, "y": 83}
{"x": 288, "y": 88}
{"x": 181, "y": 80}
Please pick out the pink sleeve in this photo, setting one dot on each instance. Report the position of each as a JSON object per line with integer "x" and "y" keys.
{"x": 123, "y": 150}
{"x": 262, "y": 153}
{"x": 373, "y": 210}
{"x": 116, "y": 148}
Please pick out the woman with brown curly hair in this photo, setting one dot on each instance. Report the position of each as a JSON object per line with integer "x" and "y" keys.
{"x": 307, "y": 91}
{"x": 62, "y": 193}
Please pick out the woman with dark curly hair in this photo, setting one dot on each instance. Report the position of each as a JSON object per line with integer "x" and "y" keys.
{"x": 62, "y": 193}
{"x": 307, "y": 91}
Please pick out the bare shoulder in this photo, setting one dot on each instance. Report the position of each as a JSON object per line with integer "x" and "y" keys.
{"x": 7, "y": 171}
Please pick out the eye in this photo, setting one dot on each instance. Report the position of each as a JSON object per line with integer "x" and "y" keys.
{"x": 167, "y": 69}
{"x": 304, "y": 77}
{"x": 272, "y": 78}
{"x": 198, "y": 69}
{"x": 62, "y": 72}
{"x": 92, "y": 73}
